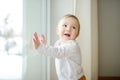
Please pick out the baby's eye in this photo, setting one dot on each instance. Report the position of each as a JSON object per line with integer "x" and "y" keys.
{"x": 65, "y": 25}
{"x": 74, "y": 27}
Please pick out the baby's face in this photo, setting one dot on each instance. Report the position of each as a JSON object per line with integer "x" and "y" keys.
{"x": 68, "y": 29}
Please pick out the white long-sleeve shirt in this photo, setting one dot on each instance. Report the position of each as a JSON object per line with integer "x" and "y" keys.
{"x": 67, "y": 59}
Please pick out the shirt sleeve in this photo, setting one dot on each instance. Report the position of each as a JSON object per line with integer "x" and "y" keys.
{"x": 59, "y": 51}
{"x": 51, "y": 51}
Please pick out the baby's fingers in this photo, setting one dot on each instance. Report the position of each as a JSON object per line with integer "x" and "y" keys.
{"x": 35, "y": 36}
{"x": 42, "y": 39}
{"x": 36, "y": 41}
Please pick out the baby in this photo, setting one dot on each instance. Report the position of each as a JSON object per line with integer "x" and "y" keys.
{"x": 66, "y": 50}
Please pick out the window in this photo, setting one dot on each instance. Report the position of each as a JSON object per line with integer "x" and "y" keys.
{"x": 11, "y": 16}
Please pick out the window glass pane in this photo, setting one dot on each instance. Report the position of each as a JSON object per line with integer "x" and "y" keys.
{"x": 11, "y": 42}
{"x": 11, "y": 16}
{"x": 10, "y": 67}
{"x": 2, "y": 46}
{"x": 11, "y": 25}
{"x": 14, "y": 45}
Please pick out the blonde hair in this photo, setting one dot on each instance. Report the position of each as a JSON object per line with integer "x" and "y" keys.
{"x": 72, "y": 16}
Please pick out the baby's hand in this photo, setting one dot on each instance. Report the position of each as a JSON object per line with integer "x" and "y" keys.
{"x": 36, "y": 40}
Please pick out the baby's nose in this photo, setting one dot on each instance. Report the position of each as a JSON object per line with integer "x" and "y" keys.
{"x": 69, "y": 28}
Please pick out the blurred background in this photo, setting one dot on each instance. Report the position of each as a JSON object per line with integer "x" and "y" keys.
{"x": 99, "y": 37}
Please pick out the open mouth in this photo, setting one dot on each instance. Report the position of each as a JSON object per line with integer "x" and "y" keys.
{"x": 68, "y": 35}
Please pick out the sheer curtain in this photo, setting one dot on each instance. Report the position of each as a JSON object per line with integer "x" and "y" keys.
{"x": 36, "y": 19}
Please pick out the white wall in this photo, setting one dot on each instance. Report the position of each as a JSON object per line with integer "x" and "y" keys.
{"x": 84, "y": 13}
{"x": 87, "y": 12}
{"x": 109, "y": 37}
{"x": 94, "y": 38}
